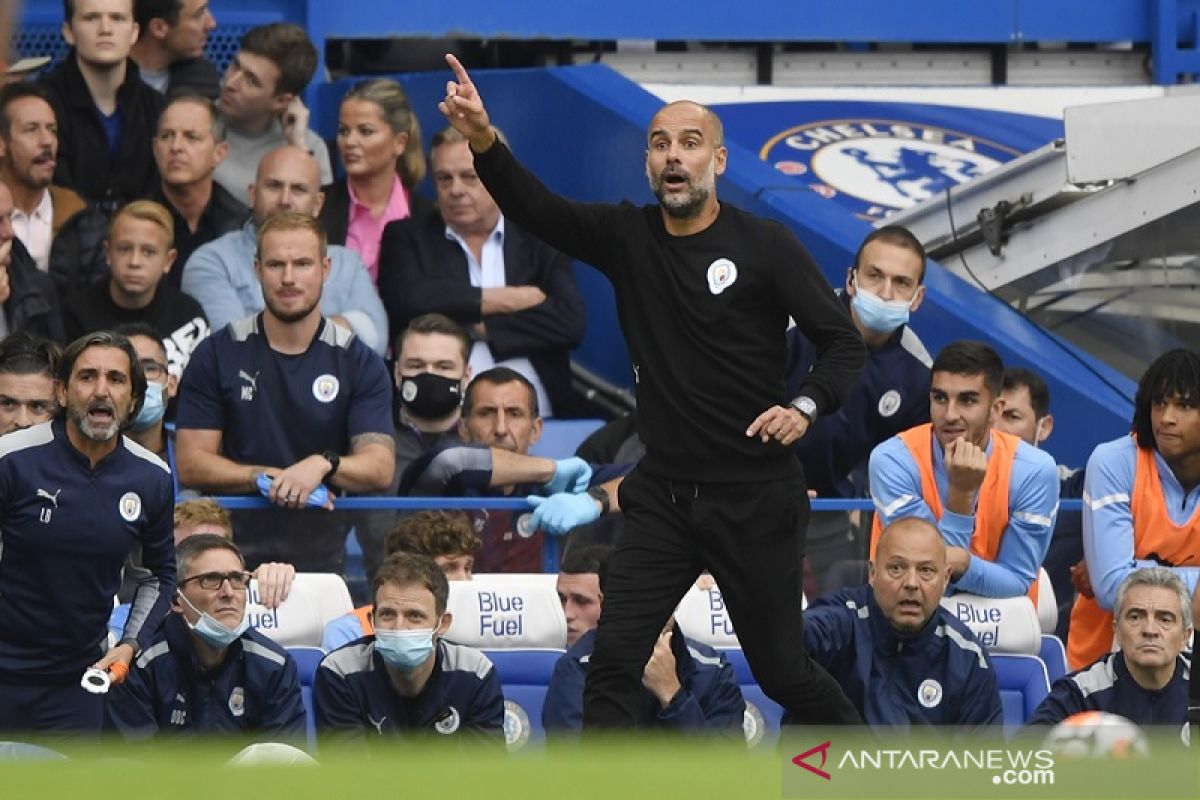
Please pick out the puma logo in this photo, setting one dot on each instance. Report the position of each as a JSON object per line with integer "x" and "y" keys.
{"x": 377, "y": 723}
{"x": 246, "y": 377}
{"x": 53, "y": 498}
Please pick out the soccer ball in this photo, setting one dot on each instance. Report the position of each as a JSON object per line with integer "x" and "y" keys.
{"x": 1097, "y": 734}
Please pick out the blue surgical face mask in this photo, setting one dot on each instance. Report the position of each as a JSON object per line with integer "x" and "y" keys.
{"x": 211, "y": 631}
{"x": 878, "y": 315}
{"x": 152, "y": 408}
{"x": 404, "y": 650}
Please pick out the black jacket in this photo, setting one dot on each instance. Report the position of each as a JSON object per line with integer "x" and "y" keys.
{"x": 83, "y": 160}
{"x": 32, "y": 303}
{"x": 224, "y": 213}
{"x": 335, "y": 212}
{"x": 421, "y": 271}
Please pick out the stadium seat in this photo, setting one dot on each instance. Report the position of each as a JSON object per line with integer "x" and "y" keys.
{"x": 524, "y": 677}
{"x": 315, "y": 600}
{"x": 307, "y": 660}
{"x": 1047, "y": 603}
{"x": 761, "y": 723}
{"x": 507, "y": 612}
{"x": 1054, "y": 656}
{"x": 1024, "y": 683}
{"x": 1002, "y": 625}
{"x": 702, "y": 616}
{"x": 561, "y": 437}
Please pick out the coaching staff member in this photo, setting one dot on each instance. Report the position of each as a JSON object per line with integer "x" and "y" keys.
{"x": 703, "y": 291}
{"x": 75, "y": 496}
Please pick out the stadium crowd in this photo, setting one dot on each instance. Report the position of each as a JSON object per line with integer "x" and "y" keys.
{"x": 193, "y": 305}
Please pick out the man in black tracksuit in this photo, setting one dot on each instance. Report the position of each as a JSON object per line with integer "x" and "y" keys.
{"x": 704, "y": 292}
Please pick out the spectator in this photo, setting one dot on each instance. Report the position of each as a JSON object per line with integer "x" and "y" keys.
{"x": 260, "y": 99}
{"x": 1140, "y": 500}
{"x": 221, "y": 275}
{"x": 407, "y": 677}
{"x": 430, "y": 374}
{"x": 901, "y": 658}
{"x": 516, "y": 295}
{"x": 206, "y": 670}
{"x": 1146, "y": 680}
{"x": 169, "y": 50}
{"x": 28, "y": 155}
{"x": 189, "y": 143}
{"x": 27, "y": 295}
{"x": 500, "y": 422}
{"x": 687, "y": 686}
{"x": 1026, "y": 414}
{"x": 73, "y": 495}
{"x": 992, "y": 496}
{"x": 291, "y": 395}
{"x": 379, "y": 139}
{"x": 27, "y": 365}
{"x": 140, "y": 253}
{"x": 105, "y": 112}
{"x": 448, "y": 537}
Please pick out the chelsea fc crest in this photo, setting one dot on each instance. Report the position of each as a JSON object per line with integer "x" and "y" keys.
{"x": 881, "y": 165}
{"x": 130, "y": 506}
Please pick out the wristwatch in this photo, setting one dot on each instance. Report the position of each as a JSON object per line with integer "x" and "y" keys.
{"x": 335, "y": 461}
{"x": 807, "y": 408}
{"x": 601, "y": 496}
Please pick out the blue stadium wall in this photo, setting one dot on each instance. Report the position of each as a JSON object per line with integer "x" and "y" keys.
{"x": 581, "y": 129}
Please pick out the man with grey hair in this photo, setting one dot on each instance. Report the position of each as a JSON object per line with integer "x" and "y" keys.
{"x": 1146, "y": 679}
{"x": 189, "y": 145}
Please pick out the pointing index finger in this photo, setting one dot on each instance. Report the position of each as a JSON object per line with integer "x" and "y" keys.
{"x": 460, "y": 72}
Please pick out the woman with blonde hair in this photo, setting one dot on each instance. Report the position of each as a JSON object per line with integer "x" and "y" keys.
{"x": 379, "y": 140}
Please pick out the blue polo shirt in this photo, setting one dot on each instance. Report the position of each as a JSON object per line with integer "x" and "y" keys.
{"x": 65, "y": 531}
{"x": 277, "y": 409}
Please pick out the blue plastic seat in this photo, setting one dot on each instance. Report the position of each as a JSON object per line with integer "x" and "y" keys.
{"x": 1024, "y": 683}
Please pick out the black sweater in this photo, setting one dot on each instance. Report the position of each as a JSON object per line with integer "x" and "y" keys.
{"x": 708, "y": 355}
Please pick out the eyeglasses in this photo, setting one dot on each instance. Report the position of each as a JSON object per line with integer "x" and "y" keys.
{"x": 154, "y": 370}
{"x": 212, "y": 581}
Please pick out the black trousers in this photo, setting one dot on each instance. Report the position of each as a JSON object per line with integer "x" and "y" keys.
{"x": 750, "y": 537}
{"x": 52, "y": 707}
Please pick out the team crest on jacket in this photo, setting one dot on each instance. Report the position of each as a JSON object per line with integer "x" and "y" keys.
{"x": 516, "y": 725}
{"x": 448, "y": 722}
{"x": 886, "y": 165}
{"x": 721, "y": 275}
{"x": 130, "y": 506}
{"x": 237, "y": 701}
{"x": 325, "y": 388}
{"x": 929, "y": 693}
{"x": 889, "y": 404}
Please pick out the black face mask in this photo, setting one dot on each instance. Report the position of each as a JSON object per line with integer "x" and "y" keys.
{"x": 429, "y": 396}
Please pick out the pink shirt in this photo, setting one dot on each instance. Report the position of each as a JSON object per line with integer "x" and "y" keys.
{"x": 364, "y": 232}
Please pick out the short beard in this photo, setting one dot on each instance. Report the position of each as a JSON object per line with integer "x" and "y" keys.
{"x": 690, "y": 205}
{"x": 96, "y": 433}
{"x": 289, "y": 317}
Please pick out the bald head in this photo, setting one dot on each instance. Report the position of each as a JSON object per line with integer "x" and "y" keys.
{"x": 909, "y": 573}
{"x": 708, "y": 122}
{"x": 288, "y": 179}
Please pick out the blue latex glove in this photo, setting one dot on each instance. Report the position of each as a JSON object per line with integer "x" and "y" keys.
{"x": 317, "y": 498}
{"x": 570, "y": 475}
{"x": 561, "y": 512}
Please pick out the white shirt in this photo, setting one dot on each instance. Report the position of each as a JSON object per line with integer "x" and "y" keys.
{"x": 487, "y": 272}
{"x": 34, "y": 230}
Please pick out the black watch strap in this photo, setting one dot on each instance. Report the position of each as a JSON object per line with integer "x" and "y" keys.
{"x": 334, "y": 460}
{"x": 600, "y": 495}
